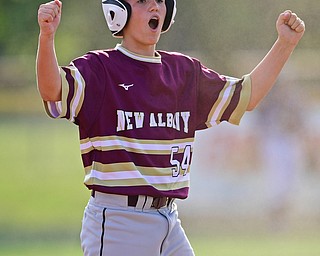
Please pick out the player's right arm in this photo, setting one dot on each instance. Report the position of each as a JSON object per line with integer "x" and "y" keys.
{"x": 48, "y": 74}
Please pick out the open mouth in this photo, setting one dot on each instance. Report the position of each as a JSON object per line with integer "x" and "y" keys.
{"x": 154, "y": 23}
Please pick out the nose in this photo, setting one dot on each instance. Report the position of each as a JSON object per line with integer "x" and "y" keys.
{"x": 154, "y": 5}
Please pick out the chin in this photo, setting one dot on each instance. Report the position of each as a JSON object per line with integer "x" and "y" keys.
{"x": 154, "y": 39}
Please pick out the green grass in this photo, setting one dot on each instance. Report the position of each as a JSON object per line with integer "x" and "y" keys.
{"x": 258, "y": 245}
{"x": 42, "y": 199}
{"x": 43, "y": 249}
{"x": 204, "y": 246}
{"x": 41, "y": 181}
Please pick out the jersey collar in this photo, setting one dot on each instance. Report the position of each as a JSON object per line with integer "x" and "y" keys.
{"x": 132, "y": 55}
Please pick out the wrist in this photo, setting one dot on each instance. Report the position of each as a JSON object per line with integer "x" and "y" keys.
{"x": 285, "y": 45}
{"x": 46, "y": 37}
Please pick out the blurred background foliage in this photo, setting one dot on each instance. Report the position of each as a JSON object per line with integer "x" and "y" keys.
{"x": 42, "y": 196}
{"x": 213, "y": 29}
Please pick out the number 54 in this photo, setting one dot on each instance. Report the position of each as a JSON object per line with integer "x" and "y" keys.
{"x": 184, "y": 164}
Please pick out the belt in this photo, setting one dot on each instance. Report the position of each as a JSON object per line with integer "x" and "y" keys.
{"x": 157, "y": 202}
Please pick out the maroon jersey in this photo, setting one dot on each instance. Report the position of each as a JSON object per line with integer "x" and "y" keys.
{"x": 138, "y": 115}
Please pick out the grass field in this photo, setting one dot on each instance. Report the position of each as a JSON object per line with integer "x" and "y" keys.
{"x": 204, "y": 246}
{"x": 42, "y": 199}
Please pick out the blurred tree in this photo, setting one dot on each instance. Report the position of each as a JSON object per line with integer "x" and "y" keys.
{"x": 212, "y": 28}
{"x": 18, "y": 26}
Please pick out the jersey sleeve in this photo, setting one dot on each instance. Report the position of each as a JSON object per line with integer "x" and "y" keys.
{"x": 221, "y": 98}
{"x": 72, "y": 95}
{"x": 82, "y": 90}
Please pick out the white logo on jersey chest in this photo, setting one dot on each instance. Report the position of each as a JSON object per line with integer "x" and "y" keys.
{"x": 126, "y": 86}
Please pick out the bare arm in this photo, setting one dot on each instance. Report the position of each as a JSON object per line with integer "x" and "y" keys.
{"x": 290, "y": 30}
{"x": 48, "y": 74}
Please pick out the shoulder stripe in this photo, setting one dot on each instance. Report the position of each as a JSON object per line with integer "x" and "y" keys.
{"x": 236, "y": 91}
{"x": 61, "y": 108}
{"x": 243, "y": 102}
{"x": 79, "y": 89}
{"x": 223, "y": 101}
{"x": 65, "y": 93}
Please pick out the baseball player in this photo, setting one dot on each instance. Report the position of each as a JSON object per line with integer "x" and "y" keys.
{"x": 137, "y": 110}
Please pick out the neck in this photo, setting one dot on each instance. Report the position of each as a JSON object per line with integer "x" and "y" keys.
{"x": 144, "y": 50}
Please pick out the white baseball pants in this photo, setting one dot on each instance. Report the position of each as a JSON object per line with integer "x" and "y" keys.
{"x": 111, "y": 228}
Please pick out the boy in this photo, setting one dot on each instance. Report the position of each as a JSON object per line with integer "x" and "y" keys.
{"x": 137, "y": 110}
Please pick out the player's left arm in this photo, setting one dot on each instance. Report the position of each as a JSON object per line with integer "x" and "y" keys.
{"x": 290, "y": 30}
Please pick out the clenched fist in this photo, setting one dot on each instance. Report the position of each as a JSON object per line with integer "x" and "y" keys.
{"x": 290, "y": 27}
{"x": 49, "y": 16}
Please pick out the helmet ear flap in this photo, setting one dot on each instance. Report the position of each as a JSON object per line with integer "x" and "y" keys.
{"x": 117, "y": 14}
{"x": 171, "y": 13}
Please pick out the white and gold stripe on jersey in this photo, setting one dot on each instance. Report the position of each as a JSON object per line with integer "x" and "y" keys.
{"x": 171, "y": 177}
{"x": 127, "y": 174}
{"x": 59, "y": 109}
{"x": 158, "y": 147}
{"x": 225, "y": 97}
